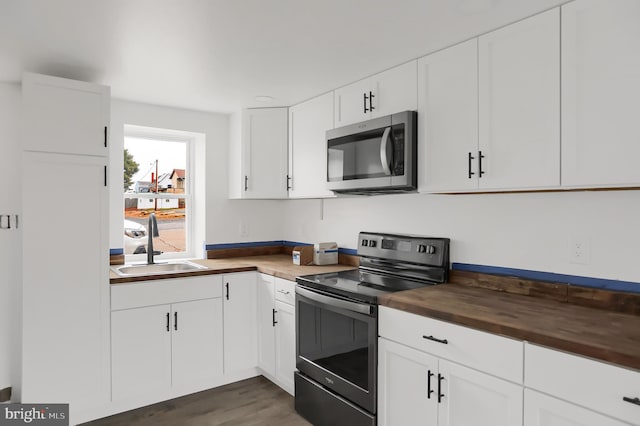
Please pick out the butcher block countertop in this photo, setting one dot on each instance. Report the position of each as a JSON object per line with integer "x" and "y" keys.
{"x": 597, "y": 333}
{"x": 278, "y": 265}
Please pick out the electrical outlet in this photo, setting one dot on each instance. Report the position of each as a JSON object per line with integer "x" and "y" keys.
{"x": 244, "y": 229}
{"x": 579, "y": 250}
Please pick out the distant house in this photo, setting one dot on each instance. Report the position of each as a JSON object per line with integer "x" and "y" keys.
{"x": 177, "y": 181}
{"x": 165, "y": 184}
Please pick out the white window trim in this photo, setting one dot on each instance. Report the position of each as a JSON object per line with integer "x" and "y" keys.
{"x": 169, "y": 135}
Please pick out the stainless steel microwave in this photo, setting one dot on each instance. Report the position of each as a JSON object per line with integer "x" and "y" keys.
{"x": 375, "y": 156}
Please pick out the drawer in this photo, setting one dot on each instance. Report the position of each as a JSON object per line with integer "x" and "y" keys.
{"x": 159, "y": 292}
{"x": 285, "y": 291}
{"x": 583, "y": 381}
{"x": 492, "y": 354}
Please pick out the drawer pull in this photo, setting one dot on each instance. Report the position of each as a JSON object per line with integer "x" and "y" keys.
{"x": 429, "y": 390}
{"x": 631, "y": 400}
{"x": 284, "y": 292}
{"x": 443, "y": 341}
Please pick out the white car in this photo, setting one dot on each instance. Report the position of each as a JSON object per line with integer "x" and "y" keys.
{"x": 135, "y": 237}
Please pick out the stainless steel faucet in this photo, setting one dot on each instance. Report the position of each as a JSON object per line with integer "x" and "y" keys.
{"x": 153, "y": 232}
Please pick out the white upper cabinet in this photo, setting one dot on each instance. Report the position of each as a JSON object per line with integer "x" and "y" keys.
{"x": 308, "y": 123}
{"x": 448, "y": 119}
{"x": 519, "y": 104}
{"x": 258, "y": 168}
{"x": 65, "y": 116}
{"x": 600, "y": 92}
{"x": 388, "y": 92}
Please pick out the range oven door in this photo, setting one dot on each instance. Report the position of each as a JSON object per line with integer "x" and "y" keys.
{"x": 336, "y": 344}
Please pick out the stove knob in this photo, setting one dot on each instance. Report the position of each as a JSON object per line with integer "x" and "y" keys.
{"x": 431, "y": 249}
{"x": 422, "y": 248}
{"x": 365, "y": 243}
{"x": 372, "y": 243}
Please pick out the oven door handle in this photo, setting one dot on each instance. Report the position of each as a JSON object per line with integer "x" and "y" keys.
{"x": 360, "y": 308}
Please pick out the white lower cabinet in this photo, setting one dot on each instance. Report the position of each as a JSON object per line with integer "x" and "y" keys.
{"x": 162, "y": 343}
{"x": 417, "y": 388}
{"x": 544, "y": 410}
{"x": 276, "y": 330}
{"x": 239, "y": 299}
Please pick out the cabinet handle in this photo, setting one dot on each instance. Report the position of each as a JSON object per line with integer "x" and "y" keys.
{"x": 443, "y": 341}
{"x": 168, "y": 327}
{"x": 371, "y": 95}
{"x": 429, "y": 390}
{"x": 635, "y": 400}
{"x": 246, "y": 182}
{"x": 284, "y": 292}
{"x": 289, "y": 187}
{"x": 470, "y": 158}
{"x": 365, "y": 102}
{"x": 227, "y": 287}
{"x": 175, "y": 321}
{"x": 273, "y": 317}
{"x": 105, "y": 175}
{"x": 480, "y": 157}
{"x": 440, "y": 394}
{"x": 105, "y": 136}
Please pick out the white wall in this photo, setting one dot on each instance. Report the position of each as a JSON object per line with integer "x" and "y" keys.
{"x": 10, "y": 241}
{"x": 526, "y": 231}
{"x": 224, "y": 217}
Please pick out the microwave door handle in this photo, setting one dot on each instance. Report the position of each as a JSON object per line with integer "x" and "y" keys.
{"x": 383, "y": 151}
{"x": 335, "y": 302}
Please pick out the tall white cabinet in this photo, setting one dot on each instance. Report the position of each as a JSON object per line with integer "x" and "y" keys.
{"x": 600, "y": 92}
{"x": 65, "y": 340}
{"x": 240, "y": 340}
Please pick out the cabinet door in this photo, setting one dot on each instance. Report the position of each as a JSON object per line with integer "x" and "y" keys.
{"x": 308, "y": 123}
{"x": 239, "y": 305}
{"x": 264, "y": 136}
{"x": 65, "y": 116}
{"x": 600, "y": 92}
{"x": 196, "y": 341}
{"x": 448, "y": 119}
{"x": 473, "y": 398}
{"x": 285, "y": 364}
{"x": 519, "y": 85}
{"x": 140, "y": 351}
{"x": 405, "y": 376}
{"x": 266, "y": 326}
{"x": 352, "y": 103}
{"x": 65, "y": 352}
{"x": 543, "y": 410}
{"x": 395, "y": 90}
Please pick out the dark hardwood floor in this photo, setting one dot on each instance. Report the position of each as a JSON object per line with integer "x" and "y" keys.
{"x": 251, "y": 402}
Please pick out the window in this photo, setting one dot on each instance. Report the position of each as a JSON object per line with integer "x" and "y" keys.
{"x": 158, "y": 179}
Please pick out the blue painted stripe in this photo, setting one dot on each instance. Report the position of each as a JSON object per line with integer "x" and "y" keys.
{"x": 327, "y": 251}
{"x": 351, "y": 252}
{"x": 115, "y": 251}
{"x": 295, "y": 243}
{"x": 607, "y": 284}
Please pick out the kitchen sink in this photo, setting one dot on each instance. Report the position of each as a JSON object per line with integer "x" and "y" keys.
{"x": 156, "y": 269}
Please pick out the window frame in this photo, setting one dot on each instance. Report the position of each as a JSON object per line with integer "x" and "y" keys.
{"x": 168, "y": 135}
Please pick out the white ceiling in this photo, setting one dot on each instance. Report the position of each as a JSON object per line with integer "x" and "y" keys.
{"x": 217, "y": 55}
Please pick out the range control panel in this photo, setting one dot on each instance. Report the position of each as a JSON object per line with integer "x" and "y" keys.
{"x": 428, "y": 251}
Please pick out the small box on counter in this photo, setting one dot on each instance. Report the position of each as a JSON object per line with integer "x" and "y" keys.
{"x": 325, "y": 253}
{"x": 302, "y": 255}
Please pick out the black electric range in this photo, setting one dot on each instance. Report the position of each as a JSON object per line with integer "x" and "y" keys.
{"x": 337, "y": 324}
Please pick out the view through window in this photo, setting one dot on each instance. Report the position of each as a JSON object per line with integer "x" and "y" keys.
{"x": 156, "y": 181}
